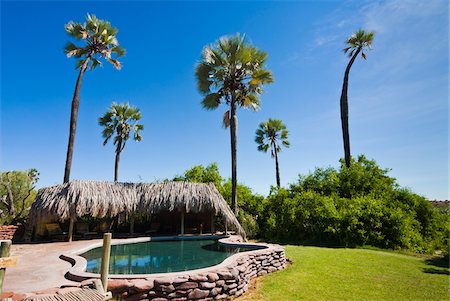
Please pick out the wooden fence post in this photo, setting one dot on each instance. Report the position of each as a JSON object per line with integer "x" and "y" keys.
{"x": 4, "y": 252}
{"x": 106, "y": 251}
{"x": 72, "y": 220}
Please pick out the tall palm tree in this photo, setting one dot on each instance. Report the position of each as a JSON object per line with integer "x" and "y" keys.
{"x": 272, "y": 134}
{"x": 232, "y": 72}
{"x": 121, "y": 120}
{"x": 98, "y": 42}
{"x": 357, "y": 43}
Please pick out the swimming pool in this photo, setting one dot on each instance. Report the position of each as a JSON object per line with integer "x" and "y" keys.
{"x": 162, "y": 256}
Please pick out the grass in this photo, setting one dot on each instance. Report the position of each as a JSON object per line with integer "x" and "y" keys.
{"x": 353, "y": 274}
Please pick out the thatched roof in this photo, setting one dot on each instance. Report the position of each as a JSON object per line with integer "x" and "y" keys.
{"x": 108, "y": 199}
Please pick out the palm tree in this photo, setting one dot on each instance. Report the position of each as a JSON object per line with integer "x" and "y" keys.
{"x": 232, "y": 72}
{"x": 272, "y": 134}
{"x": 121, "y": 120}
{"x": 98, "y": 42}
{"x": 357, "y": 43}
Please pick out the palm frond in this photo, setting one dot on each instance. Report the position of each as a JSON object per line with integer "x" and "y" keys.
{"x": 211, "y": 101}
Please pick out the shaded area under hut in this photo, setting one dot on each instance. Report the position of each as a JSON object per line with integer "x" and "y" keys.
{"x": 169, "y": 207}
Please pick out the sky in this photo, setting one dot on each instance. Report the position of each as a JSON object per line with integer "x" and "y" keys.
{"x": 398, "y": 97}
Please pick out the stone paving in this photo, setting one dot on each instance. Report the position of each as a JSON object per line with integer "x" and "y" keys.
{"x": 39, "y": 267}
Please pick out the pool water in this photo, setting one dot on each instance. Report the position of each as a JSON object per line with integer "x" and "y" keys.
{"x": 161, "y": 256}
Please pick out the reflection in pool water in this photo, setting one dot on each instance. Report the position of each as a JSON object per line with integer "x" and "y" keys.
{"x": 161, "y": 256}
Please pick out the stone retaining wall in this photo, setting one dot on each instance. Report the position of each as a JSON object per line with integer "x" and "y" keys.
{"x": 222, "y": 283}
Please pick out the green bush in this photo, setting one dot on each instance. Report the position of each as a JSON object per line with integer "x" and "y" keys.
{"x": 249, "y": 223}
{"x": 355, "y": 206}
{"x": 17, "y": 193}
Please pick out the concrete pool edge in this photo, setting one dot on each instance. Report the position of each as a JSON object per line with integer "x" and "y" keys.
{"x": 227, "y": 279}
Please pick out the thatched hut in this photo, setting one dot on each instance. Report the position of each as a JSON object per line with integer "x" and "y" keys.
{"x": 72, "y": 200}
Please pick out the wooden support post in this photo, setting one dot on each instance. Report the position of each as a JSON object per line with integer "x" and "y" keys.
{"x": 72, "y": 221}
{"x": 226, "y": 232}
{"x": 4, "y": 252}
{"x": 132, "y": 224}
{"x": 182, "y": 221}
{"x": 106, "y": 252}
{"x": 213, "y": 226}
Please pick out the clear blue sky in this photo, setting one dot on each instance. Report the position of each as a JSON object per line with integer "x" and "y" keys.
{"x": 398, "y": 98}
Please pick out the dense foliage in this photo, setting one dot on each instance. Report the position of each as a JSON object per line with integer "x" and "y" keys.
{"x": 355, "y": 206}
{"x": 17, "y": 192}
{"x": 250, "y": 204}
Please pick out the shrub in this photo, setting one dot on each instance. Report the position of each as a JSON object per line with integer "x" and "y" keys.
{"x": 16, "y": 195}
{"x": 355, "y": 206}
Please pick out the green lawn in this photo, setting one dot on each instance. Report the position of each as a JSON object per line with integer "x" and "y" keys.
{"x": 352, "y": 274}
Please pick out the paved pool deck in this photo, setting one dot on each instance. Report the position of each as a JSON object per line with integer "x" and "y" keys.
{"x": 39, "y": 266}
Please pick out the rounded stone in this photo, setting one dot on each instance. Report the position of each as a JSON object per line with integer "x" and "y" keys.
{"x": 198, "y": 278}
{"x": 207, "y": 285}
{"x": 119, "y": 285}
{"x": 215, "y": 291}
{"x": 142, "y": 285}
{"x": 198, "y": 294}
{"x": 212, "y": 277}
{"x": 187, "y": 285}
{"x": 162, "y": 281}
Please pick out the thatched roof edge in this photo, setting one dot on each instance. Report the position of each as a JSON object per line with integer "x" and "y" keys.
{"x": 108, "y": 199}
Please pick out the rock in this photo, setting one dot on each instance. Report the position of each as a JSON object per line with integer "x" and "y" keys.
{"x": 118, "y": 285}
{"x": 260, "y": 273}
{"x": 198, "y": 278}
{"x": 242, "y": 268}
{"x": 220, "y": 297}
{"x": 187, "y": 285}
{"x": 230, "y": 286}
{"x": 160, "y": 299}
{"x": 198, "y": 294}
{"x": 232, "y": 292}
{"x": 207, "y": 285}
{"x": 167, "y": 288}
{"x": 215, "y": 291}
{"x": 220, "y": 282}
{"x": 177, "y": 294}
{"x": 272, "y": 269}
{"x": 234, "y": 272}
{"x": 180, "y": 280}
{"x": 142, "y": 285}
{"x": 225, "y": 275}
{"x": 162, "y": 281}
{"x": 212, "y": 277}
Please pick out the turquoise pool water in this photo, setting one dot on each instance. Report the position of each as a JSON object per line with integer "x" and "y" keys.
{"x": 161, "y": 256}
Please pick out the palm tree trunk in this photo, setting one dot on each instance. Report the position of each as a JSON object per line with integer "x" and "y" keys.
{"x": 73, "y": 120}
{"x": 116, "y": 165}
{"x": 233, "y": 137}
{"x": 277, "y": 167}
{"x": 344, "y": 110}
